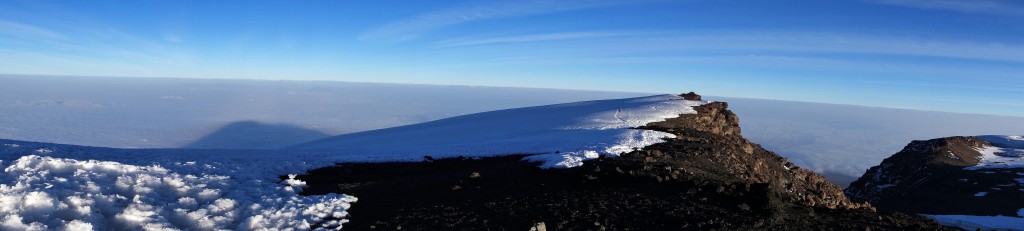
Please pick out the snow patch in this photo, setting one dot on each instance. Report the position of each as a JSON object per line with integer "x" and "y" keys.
{"x": 953, "y": 156}
{"x": 980, "y": 194}
{"x": 969, "y": 222}
{"x": 562, "y": 160}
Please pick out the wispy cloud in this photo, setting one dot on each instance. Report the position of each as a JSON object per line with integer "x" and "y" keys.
{"x": 84, "y": 47}
{"x": 27, "y": 31}
{"x": 993, "y": 7}
{"x": 807, "y": 42}
{"x": 531, "y": 38}
{"x": 779, "y": 51}
{"x": 418, "y": 25}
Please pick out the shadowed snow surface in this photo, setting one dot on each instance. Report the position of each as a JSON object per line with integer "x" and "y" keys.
{"x": 576, "y": 131}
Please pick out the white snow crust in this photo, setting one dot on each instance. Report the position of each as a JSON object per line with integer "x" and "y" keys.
{"x": 47, "y": 193}
{"x": 66, "y": 187}
{"x": 1006, "y": 152}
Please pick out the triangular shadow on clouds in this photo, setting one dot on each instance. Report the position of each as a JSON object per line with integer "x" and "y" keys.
{"x": 256, "y": 135}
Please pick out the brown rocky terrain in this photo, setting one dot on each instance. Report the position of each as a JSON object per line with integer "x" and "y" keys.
{"x": 930, "y": 177}
{"x": 708, "y": 178}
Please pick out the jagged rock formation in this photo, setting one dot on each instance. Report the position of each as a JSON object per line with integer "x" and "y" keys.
{"x": 708, "y": 178}
{"x": 709, "y": 145}
{"x": 935, "y": 177}
{"x": 691, "y": 96}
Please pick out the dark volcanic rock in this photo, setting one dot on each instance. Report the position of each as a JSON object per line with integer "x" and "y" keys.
{"x": 691, "y": 96}
{"x": 708, "y": 178}
{"x": 929, "y": 177}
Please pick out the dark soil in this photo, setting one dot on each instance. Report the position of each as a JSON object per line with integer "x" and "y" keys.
{"x": 505, "y": 193}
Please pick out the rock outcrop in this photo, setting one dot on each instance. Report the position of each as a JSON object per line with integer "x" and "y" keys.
{"x": 708, "y": 144}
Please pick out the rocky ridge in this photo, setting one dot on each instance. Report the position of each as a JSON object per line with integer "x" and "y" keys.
{"x": 707, "y": 178}
{"x": 724, "y": 154}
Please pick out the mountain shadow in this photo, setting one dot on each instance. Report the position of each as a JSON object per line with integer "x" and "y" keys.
{"x": 256, "y": 135}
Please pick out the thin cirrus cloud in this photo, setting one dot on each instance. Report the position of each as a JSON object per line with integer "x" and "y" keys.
{"x": 784, "y": 43}
{"x": 804, "y": 42}
{"x": 769, "y": 50}
{"x": 27, "y": 31}
{"x": 850, "y": 43}
{"x": 416, "y": 26}
{"x": 992, "y": 7}
{"x": 87, "y": 48}
{"x": 531, "y": 38}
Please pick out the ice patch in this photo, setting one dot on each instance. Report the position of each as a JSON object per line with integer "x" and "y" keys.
{"x": 980, "y": 194}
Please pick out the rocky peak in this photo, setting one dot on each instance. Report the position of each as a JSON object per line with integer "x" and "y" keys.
{"x": 926, "y": 172}
{"x": 913, "y": 162}
{"x": 690, "y": 96}
{"x": 709, "y": 145}
{"x": 713, "y": 117}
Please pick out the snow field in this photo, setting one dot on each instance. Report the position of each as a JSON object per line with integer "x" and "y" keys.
{"x": 66, "y": 194}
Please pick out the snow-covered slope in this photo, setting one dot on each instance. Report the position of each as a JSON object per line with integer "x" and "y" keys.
{"x": 564, "y": 134}
{"x": 53, "y": 186}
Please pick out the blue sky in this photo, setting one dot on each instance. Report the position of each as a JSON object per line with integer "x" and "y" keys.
{"x": 945, "y": 55}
